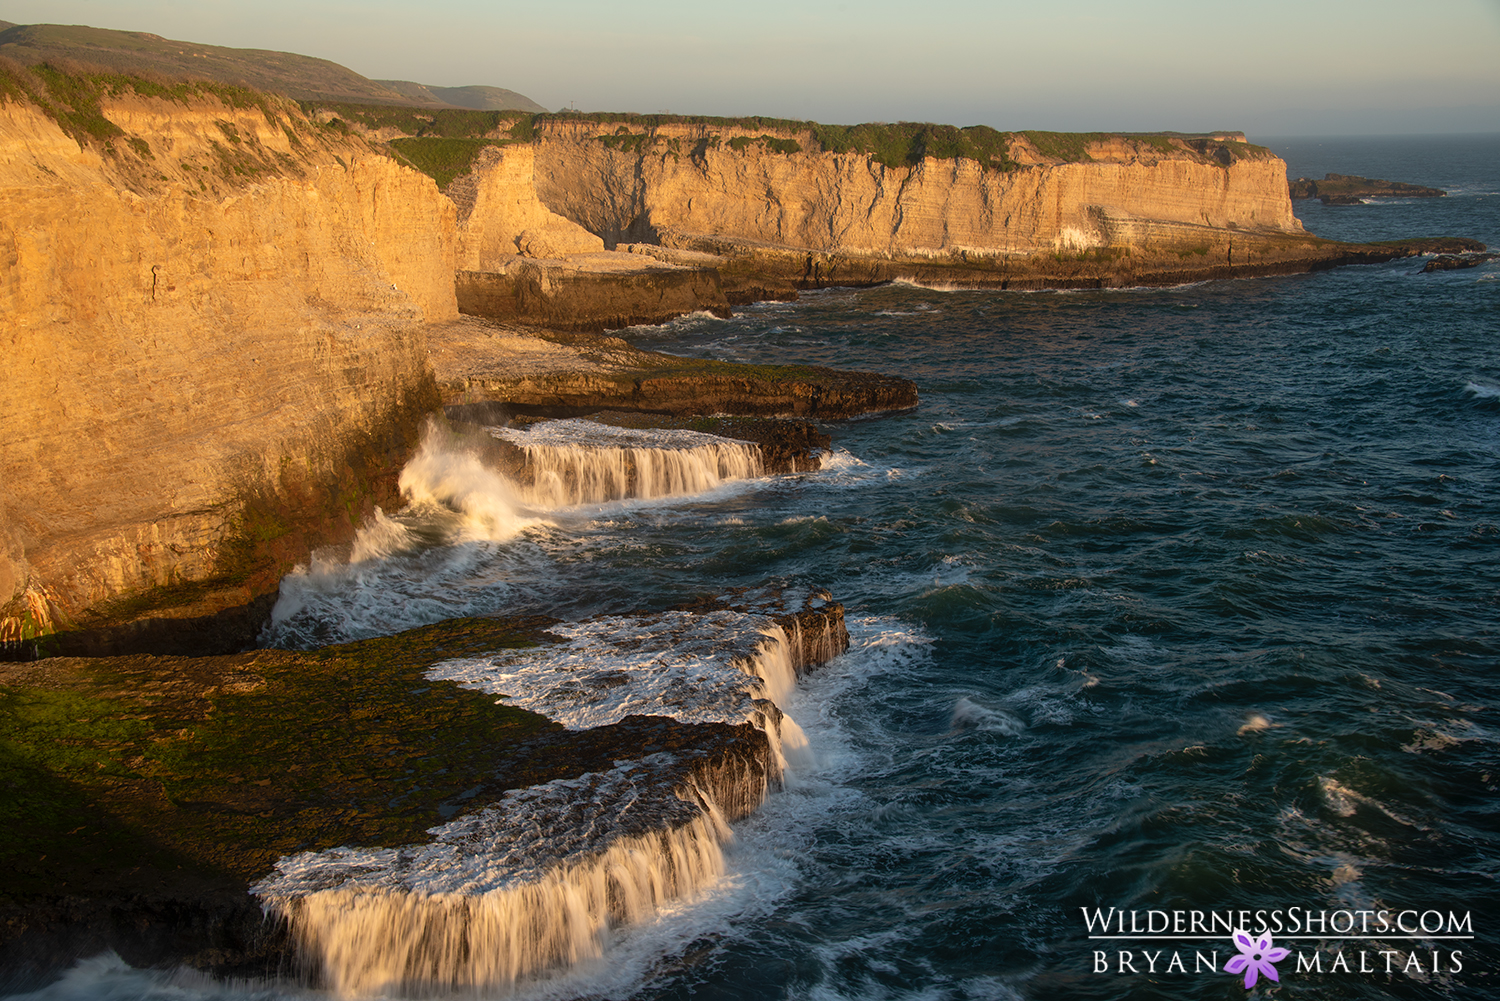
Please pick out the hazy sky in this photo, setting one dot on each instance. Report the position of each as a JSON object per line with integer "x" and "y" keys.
{"x": 1270, "y": 67}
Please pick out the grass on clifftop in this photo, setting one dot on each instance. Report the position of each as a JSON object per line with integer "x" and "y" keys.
{"x": 70, "y": 95}
{"x": 444, "y": 123}
{"x": 122, "y": 769}
{"x": 898, "y": 144}
{"x": 441, "y": 159}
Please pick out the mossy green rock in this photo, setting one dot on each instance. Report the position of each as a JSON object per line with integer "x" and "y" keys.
{"x": 166, "y": 774}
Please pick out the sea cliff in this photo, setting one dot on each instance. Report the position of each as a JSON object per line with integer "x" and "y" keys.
{"x": 221, "y": 306}
{"x": 213, "y": 346}
{"x": 731, "y": 211}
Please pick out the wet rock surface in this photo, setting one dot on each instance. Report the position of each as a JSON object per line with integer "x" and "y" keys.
{"x": 593, "y": 293}
{"x": 560, "y": 375}
{"x": 146, "y": 794}
{"x": 786, "y": 446}
{"x": 1457, "y": 262}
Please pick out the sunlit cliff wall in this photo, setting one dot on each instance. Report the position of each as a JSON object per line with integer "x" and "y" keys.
{"x": 211, "y": 319}
{"x": 681, "y": 183}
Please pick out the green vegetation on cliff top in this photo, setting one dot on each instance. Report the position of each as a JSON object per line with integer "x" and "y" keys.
{"x": 898, "y": 144}
{"x": 441, "y": 159}
{"x": 71, "y": 96}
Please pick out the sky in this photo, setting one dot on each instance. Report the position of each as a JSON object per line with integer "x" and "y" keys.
{"x": 1268, "y": 67}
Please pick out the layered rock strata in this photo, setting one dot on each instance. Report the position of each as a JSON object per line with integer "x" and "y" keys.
{"x": 772, "y": 213}
{"x": 214, "y": 354}
{"x": 1127, "y": 211}
{"x": 591, "y": 293}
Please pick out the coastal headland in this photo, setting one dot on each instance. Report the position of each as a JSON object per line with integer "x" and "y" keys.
{"x": 233, "y": 318}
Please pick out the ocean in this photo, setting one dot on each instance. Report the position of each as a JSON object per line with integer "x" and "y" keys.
{"x": 1174, "y": 612}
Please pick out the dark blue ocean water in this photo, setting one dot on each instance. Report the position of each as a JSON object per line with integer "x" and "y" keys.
{"x": 1163, "y": 599}
{"x": 1211, "y": 577}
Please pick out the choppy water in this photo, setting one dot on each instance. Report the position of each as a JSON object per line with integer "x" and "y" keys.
{"x": 1162, "y": 599}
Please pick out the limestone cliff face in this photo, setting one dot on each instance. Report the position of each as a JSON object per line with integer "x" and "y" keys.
{"x": 682, "y": 183}
{"x": 207, "y": 310}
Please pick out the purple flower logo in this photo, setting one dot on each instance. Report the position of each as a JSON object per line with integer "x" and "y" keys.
{"x": 1255, "y": 958}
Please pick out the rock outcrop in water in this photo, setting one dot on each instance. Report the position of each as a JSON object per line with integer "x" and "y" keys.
{"x": 535, "y": 372}
{"x": 1350, "y": 189}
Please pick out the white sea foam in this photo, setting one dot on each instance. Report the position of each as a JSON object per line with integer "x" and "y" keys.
{"x": 843, "y": 470}
{"x": 440, "y": 479}
{"x": 970, "y": 715}
{"x": 107, "y": 977}
{"x": 931, "y": 286}
{"x": 573, "y": 462}
{"x": 1254, "y": 723}
{"x": 544, "y": 877}
{"x": 739, "y": 880}
{"x": 678, "y": 664}
{"x": 466, "y": 526}
{"x": 1345, "y": 802}
{"x": 535, "y": 881}
{"x": 1481, "y": 391}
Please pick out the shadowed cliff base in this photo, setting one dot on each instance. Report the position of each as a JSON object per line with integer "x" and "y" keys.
{"x": 147, "y": 794}
{"x": 591, "y": 293}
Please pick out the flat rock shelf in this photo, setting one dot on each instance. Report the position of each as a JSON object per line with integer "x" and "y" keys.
{"x": 163, "y": 807}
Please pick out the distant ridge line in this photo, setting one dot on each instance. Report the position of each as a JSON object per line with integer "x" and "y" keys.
{"x": 302, "y": 78}
{"x": 475, "y": 97}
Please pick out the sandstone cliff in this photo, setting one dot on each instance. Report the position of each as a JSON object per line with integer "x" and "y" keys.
{"x": 781, "y": 207}
{"x": 501, "y": 218}
{"x": 213, "y": 328}
{"x": 686, "y": 182}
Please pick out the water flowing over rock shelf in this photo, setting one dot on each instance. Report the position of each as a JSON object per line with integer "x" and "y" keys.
{"x": 187, "y": 779}
{"x": 270, "y": 363}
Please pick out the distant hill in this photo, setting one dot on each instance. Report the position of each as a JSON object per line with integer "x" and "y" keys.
{"x": 476, "y": 97}
{"x": 303, "y": 78}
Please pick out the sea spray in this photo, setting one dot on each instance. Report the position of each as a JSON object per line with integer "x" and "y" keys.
{"x": 471, "y": 500}
{"x": 441, "y": 478}
{"x": 570, "y": 462}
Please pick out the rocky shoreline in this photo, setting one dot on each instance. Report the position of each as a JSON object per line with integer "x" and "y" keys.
{"x": 169, "y": 785}
{"x": 178, "y": 783}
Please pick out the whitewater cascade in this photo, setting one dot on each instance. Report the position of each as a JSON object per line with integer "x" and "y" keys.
{"x": 571, "y": 462}
{"x": 539, "y": 879}
{"x": 408, "y": 568}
